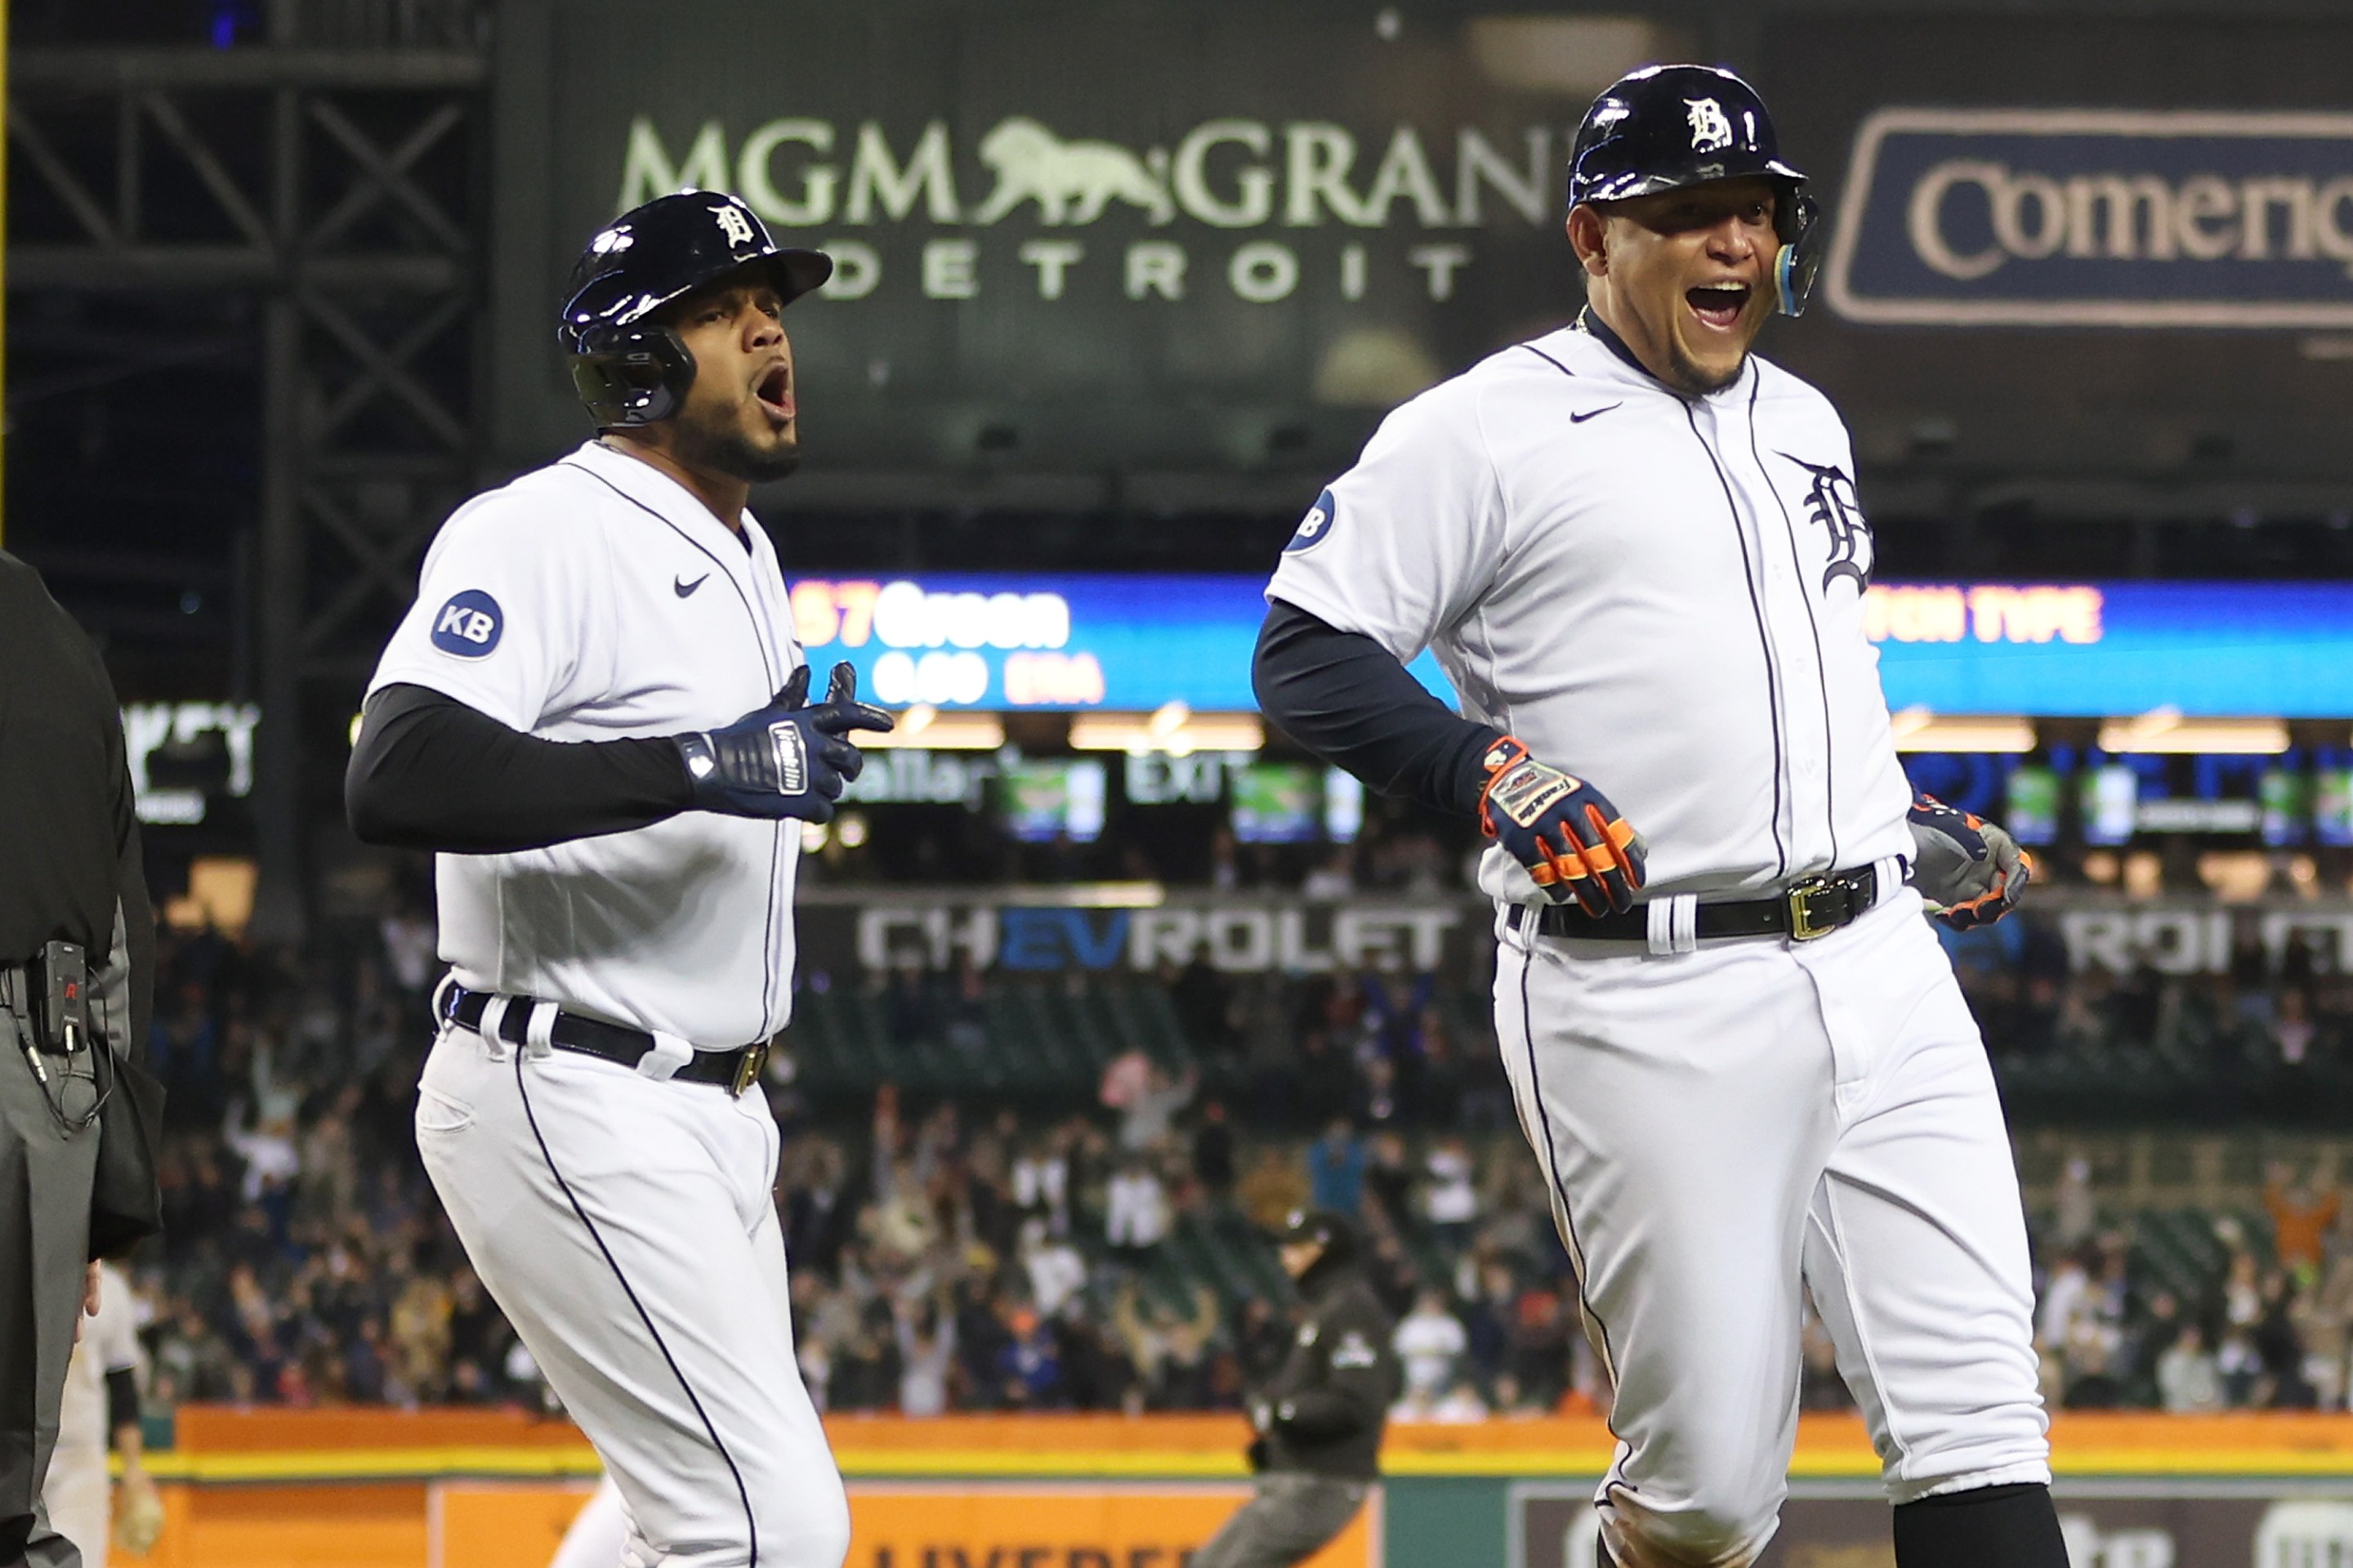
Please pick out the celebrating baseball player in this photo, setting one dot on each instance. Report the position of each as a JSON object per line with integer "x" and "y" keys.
{"x": 597, "y": 713}
{"x": 1738, "y": 1050}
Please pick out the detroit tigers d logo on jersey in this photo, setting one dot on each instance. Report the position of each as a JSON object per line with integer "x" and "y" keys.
{"x": 1831, "y": 502}
{"x": 1316, "y": 526}
{"x": 469, "y": 625}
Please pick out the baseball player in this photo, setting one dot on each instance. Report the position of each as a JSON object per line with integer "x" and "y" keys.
{"x": 101, "y": 1408}
{"x": 597, "y": 712}
{"x": 1738, "y": 1050}
{"x": 1319, "y": 1421}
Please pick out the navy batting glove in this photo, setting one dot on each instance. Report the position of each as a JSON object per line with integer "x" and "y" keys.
{"x": 1970, "y": 871}
{"x": 788, "y": 759}
{"x": 1575, "y": 843}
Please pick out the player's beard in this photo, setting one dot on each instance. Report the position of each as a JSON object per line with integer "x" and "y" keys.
{"x": 1695, "y": 380}
{"x": 723, "y": 449}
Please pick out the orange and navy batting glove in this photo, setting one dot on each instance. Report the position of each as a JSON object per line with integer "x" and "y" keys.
{"x": 1573, "y": 842}
{"x": 1970, "y": 871}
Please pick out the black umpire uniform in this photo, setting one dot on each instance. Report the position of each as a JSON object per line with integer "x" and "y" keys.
{"x": 76, "y": 966}
{"x": 1321, "y": 1419}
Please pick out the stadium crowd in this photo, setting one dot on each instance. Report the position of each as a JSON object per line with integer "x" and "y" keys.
{"x": 1109, "y": 1257}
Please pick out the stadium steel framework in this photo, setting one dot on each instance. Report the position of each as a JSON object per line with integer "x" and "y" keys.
{"x": 338, "y": 181}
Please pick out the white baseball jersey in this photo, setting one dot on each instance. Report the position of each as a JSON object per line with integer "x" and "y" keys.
{"x": 594, "y": 599}
{"x": 1661, "y": 595}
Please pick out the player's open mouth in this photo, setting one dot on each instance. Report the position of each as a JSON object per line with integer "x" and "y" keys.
{"x": 1718, "y": 304}
{"x": 776, "y": 393}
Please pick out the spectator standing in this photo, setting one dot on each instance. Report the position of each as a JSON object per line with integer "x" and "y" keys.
{"x": 1030, "y": 1361}
{"x": 1056, "y": 1271}
{"x": 1447, "y": 1198}
{"x": 2240, "y": 1366}
{"x": 1041, "y": 1183}
{"x": 2188, "y": 1381}
{"x": 818, "y": 1217}
{"x": 926, "y": 1336}
{"x": 1428, "y": 1341}
{"x": 1136, "y": 1214}
{"x": 1150, "y": 1110}
{"x": 1336, "y": 1169}
{"x": 2065, "y": 1295}
{"x": 2076, "y": 1211}
{"x": 2302, "y": 1210}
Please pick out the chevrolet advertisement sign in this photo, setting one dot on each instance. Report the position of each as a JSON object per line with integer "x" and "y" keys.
{"x": 2097, "y": 219}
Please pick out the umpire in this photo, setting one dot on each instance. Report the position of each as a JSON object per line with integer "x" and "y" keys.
{"x": 1319, "y": 1422}
{"x": 77, "y": 965}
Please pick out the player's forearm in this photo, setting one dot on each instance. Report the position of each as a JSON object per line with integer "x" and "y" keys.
{"x": 429, "y": 772}
{"x": 1346, "y": 698}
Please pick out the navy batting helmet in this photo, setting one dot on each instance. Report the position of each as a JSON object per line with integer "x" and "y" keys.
{"x": 1665, "y": 127}
{"x": 628, "y": 370}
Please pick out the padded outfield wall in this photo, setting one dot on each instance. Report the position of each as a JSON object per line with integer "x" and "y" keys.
{"x": 477, "y": 1489}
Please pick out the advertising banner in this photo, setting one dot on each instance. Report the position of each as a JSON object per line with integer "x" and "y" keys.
{"x": 2097, "y": 217}
{"x": 1179, "y": 238}
{"x": 845, "y": 933}
{"x": 2144, "y": 1523}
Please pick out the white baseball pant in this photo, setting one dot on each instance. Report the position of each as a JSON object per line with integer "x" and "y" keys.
{"x": 80, "y": 1500}
{"x": 1717, "y": 1127}
{"x": 627, "y": 1227}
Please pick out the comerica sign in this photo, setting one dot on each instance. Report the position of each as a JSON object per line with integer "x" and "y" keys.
{"x": 2097, "y": 217}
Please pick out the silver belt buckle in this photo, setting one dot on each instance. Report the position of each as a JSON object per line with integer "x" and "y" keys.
{"x": 1804, "y": 926}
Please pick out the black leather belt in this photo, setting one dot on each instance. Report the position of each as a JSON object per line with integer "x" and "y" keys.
{"x": 1809, "y": 907}
{"x": 733, "y": 1071}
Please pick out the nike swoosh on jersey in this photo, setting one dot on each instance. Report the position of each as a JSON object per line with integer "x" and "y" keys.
{"x": 681, "y": 588}
{"x": 1578, "y": 418}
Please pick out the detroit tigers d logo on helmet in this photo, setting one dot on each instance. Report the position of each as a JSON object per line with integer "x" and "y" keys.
{"x": 627, "y": 369}
{"x": 1665, "y": 127}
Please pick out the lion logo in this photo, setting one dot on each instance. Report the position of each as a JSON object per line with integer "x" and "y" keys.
{"x": 1072, "y": 182}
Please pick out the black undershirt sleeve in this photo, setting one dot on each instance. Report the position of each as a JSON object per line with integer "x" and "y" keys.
{"x": 1346, "y": 698}
{"x": 430, "y": 773}
{"x": 121, "y": 1402}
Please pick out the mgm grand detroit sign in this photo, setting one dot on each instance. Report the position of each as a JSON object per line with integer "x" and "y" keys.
{"x": 1224, "y": 193}
{"x": 2096, "y": 217}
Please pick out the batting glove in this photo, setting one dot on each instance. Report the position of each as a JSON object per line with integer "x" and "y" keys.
{"x": 1970, "y": 871}
{"x": 788, "y": 759}
{"x": 1573, "y": 842}
{"x": 138, "y": 1514}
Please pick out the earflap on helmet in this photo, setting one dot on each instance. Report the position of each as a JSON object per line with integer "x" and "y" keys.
{"x": 1801, "y": 257}
{"x": 631, "y": 376}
